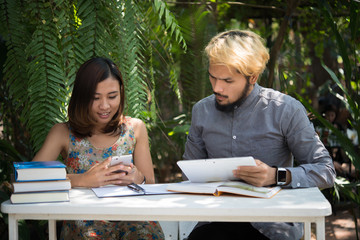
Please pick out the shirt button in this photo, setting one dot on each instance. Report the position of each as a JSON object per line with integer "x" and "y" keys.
{"x": 234, "y": 137}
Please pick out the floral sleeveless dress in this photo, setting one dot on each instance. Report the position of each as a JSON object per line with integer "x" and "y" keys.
{"x": 82, "y": 156}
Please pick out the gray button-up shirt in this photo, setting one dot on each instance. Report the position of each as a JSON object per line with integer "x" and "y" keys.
{"x": 269, "y": 126}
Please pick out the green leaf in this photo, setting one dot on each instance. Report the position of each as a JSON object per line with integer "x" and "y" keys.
{"x": 345, "y": 142}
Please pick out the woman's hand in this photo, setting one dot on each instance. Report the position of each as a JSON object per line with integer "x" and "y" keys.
{"x": 102, "y": 174}
{"x": 132, "y": 175}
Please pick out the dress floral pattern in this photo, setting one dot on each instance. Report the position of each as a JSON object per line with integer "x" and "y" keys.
{"x": 82, "y": 156}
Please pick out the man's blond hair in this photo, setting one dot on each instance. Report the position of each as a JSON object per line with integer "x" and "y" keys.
{"x": 239, "y": 49}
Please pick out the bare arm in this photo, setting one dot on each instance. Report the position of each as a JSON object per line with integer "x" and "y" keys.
{"x": 142, "y": 166}
{"x": 56, "y": 142}
{"x": 100, "y": 175}
{"x": 142, "y": 157}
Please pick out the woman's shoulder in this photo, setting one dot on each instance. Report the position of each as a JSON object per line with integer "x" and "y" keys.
{"x": 61, "y": 126}
{"x": 59, "y": 133}
{"x": 136, "y": 124}
{"x": 60, "y": 129}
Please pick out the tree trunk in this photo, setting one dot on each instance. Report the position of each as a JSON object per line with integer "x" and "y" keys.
{"x": 290, "y": 8}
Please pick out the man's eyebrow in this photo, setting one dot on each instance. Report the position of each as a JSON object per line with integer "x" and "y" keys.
{"x": 224, "y": 79}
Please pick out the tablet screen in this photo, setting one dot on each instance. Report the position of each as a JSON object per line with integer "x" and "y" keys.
{"x": 214, "y": 169}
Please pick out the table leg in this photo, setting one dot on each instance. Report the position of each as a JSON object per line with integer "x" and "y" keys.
{"x": 320, "y": 228}
{"x": 307, "y": 230}
{"x": 13, "y": 227}
{"x": 52, "y": 229}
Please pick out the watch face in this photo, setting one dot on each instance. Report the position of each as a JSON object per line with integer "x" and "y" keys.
{"x": 281, "y": 175}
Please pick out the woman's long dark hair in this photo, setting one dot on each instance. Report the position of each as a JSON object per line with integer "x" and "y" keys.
{"x": 87, "y": 78}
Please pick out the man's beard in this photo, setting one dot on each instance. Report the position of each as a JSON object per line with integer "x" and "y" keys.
{"x": 231, "y": 106}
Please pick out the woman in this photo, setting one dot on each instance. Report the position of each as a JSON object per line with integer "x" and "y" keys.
{"x": 97, "y": 130}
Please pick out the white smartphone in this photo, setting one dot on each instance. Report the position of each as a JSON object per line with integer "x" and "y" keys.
{"x": 124, "y": 159}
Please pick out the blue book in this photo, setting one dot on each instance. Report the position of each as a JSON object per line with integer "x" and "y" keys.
{"x": 39, "y": 171}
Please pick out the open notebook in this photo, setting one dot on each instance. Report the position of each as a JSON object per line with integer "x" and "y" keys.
{"x": 229, "y": 187}
{"x": 122, "y": 191}
{"x": 214, "y": 169}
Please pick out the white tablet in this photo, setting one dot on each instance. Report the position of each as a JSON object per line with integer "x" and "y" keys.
{"x": 214, "y": 169}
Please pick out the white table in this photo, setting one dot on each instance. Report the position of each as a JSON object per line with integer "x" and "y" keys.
{"x": 290, "y": 205}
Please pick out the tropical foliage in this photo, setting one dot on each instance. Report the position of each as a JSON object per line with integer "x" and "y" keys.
{"x": 349, "y": 84}
{"x": 159, "y": 47}
{"x": 47, "y": 41}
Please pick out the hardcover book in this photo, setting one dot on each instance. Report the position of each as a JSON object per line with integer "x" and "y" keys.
{"x": 231, "y": 187}
{"x": 38, "y": 186}
{"x": 40, "y": 197}
{"x": 39, "y": 171}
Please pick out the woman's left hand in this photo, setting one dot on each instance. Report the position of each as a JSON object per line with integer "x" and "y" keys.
{"x": 133, "y": 175}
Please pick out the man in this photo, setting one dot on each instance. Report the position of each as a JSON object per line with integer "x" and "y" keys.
{"x": 241, "y": 119}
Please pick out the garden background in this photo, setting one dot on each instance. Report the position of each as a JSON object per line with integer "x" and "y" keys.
{"x": 314, "y": 56}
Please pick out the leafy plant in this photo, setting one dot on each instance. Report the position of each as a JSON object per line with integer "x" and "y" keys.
{"x": 350, "y": 87}
{"x": 46, "y": 41}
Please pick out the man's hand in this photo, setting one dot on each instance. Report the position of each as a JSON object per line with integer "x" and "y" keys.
{"x": 259, "y": 175}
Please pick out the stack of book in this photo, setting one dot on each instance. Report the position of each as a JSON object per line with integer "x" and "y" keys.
{"x": 36, "y": 182}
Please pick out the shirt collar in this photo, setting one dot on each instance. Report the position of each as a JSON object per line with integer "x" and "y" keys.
{"x": 250, "y": 98}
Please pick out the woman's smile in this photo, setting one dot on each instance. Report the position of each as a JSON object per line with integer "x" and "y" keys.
{"x": 106, "y": 100}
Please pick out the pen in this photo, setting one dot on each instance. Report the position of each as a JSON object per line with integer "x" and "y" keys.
{"x": 136, "y": 188}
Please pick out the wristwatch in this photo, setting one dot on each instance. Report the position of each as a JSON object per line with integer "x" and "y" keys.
{"x": 281, "y": 176}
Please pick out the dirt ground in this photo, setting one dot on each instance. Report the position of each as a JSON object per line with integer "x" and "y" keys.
{"x": 339, "y": 226}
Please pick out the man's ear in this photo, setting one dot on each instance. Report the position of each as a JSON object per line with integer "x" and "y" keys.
{"x": 253, "y": 79}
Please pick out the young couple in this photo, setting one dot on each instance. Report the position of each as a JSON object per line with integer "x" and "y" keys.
{"x": 239, "y": 119}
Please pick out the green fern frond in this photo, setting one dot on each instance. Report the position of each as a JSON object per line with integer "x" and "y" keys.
{"x": 197, "y": 33}
{"x": 67, "y": 24}
{"x": 46, "y": 80}
{"x": 170, "y": 21}
{"x": 94, "y": 30}
{"x": 84, "y": 47}
{"x": 131, "y": 61}
{"x": 163, "y": 45}
{"x": 174, "y": 76}
{"x": 14, "y": 68}
{"x": 47, "y": 42}
{"x": 153, "y": 108}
